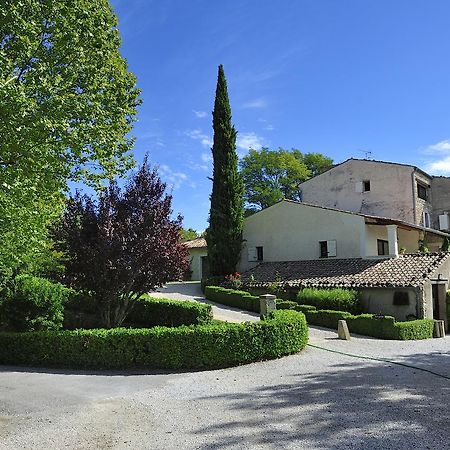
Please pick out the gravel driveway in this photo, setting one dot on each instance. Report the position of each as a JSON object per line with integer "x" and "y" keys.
{"x": 314, "y": 400}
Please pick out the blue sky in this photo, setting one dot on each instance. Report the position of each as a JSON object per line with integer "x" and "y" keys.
{"x": 336, "y": 77}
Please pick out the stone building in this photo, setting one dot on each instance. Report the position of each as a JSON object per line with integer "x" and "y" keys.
{"x": 397, "y": 191}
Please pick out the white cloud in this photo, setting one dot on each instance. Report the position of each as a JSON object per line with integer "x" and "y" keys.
{"x": 197, "y": 135}
{"x": 440, "y": 163}
{"x": 200, "y": 114}
{"x": 257, "y": 103}
{"x": 441, "y": 166}
{"x": 174, "y": 178}
{"x": 246, "y": 141}
{"x": 269, "y": 127}
{"x": 439, "y": 147}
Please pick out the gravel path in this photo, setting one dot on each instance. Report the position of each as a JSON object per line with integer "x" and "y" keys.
{"x": 191, "y": 291}
{"x": 314, "y": 400}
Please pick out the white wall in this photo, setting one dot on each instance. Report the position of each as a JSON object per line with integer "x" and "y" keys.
{"x": 390, "y": 195}
{"x": 290, "y": 231}
{"x": 195, "y": 261}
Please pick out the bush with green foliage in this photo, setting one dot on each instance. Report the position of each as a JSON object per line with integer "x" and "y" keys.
{"x": 34, "y": 304}
{"x": 382, "y": 327}
{"x": 331, "y": 299}
{"x": 233, "y": 298}
{"x": 147, "y": 312}
{"x": 186, "y": 347}
{"x": 286, "y": 304}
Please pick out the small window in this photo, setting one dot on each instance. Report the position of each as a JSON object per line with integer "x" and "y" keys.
{"x": 401, "y": 298}
{"x": 327, "y": 249}
{"x": 383, "y": 247}
{"x": 259, "y": 254}
{"x": 422, "y": 191}
{"x": 426, "y": 219}
{"x": 366, "y": 186}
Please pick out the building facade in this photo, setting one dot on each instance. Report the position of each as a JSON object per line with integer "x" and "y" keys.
{"x": 393, "y": 190}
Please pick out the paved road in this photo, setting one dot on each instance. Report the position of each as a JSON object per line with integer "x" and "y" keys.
{"x": 314, "y": 400}
{"x": 191, "y": 291}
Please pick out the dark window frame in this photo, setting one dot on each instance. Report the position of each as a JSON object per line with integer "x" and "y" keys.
{"x": 260, "y": 253}
{"x": 366, "y": 186}
{"x": 382, "y": 245}
{"x": 323, "y": 249}
{"x": 422, "y": 192}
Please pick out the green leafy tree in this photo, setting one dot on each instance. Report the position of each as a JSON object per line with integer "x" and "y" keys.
{"x": 271, "y": 175}
{"x": 188, "y": 234}
{"x": 224, "y": 235}
{"x": 67, "y": 107}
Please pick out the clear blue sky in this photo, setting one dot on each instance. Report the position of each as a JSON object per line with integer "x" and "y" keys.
{"x": 336, "y": 77}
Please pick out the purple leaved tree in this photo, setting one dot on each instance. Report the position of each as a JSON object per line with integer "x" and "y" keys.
{"x": 123, "y": 245}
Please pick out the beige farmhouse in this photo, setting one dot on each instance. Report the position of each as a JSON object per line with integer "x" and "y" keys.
{"x": 398, "y": 191}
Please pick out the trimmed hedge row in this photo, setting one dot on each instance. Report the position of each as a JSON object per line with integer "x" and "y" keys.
{"x": 230, "y": 297}
{"x": 186, "y": 347}
{"x": 331, "y": 299}
{"x": 147, "y": 312}
{"x": 383, "y": 327}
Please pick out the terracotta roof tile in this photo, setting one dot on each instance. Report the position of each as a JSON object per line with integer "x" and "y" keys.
{"x": 196, "y": 243}
{"x": 410, "y": 270}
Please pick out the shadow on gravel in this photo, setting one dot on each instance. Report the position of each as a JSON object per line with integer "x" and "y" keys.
{"x": 358, "y": 406}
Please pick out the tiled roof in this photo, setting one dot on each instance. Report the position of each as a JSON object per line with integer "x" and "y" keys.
{"x": 410, "y": 270}
{"x": 196, "y": 243}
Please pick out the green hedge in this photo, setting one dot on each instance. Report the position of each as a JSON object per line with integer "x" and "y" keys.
{"x": 187, "y": 347}
{"x": 230, "y": 297}
{"x": 286, "y": 304}
{"x": 34, "y": 304}
{"x": 415, "y": 329}
{"x": 148, "y": 311}
{"x": 382, "y": 327}
{"x": 331, "y": 299}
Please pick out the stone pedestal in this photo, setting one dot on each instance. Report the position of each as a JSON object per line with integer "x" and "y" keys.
{"x": 267, "y": 303}
{"x": 343, "y": 332}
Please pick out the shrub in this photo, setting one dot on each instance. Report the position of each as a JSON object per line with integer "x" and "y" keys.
{"x": 233, "y": 298}
{"x": 414, "y": 329}
{"x": 326, "y": 318}
{"x": 331, "y": 299}
{"x": 185, "y": 347}
{"x": 211, "y": 281}
{"x": 147, "y": 312}
{"x": 35, "y": 304}
{"x": 286, "y": 304}
{"x": 304, "y": 308}
{"x": 369, "y": 325}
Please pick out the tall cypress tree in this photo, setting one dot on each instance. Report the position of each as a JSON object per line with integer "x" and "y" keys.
{"x": 224, "y": 235}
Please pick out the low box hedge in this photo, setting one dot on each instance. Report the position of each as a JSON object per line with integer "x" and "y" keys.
{"x": 331, "y": 299}
{"x": 186, "y": 347}
{"x": 147, "y": 312}
{"x": 230, "y": 297}
{"x": 382, "y": 327}
{"x": 286, "y": 304}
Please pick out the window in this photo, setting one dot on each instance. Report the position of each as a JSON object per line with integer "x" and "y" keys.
{"x": 362, "y": 186}
{"x": 366, "y": 186}
{"x": 422, "y": 191}
{"x": 327, "y": 249}
{"x": 426, "y": 219}
{"x": 259, "y": 253}
{"x": 401, "y": 298}
{"x": 383, "y": 247}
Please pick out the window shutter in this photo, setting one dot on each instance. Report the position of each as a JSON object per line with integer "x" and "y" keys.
{"x": 252, "y": 254}
{"x": 331, "y": 248}
{"x": 359, "y": 187}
